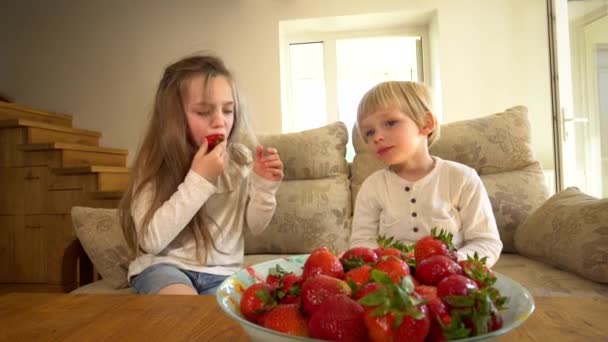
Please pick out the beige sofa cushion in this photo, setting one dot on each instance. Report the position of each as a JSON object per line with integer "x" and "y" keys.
{"x": 314, "y": 202}
{"x": 101, "y": 237}
{"x": 498, "y": 147}
{"x": 570, "y": 231}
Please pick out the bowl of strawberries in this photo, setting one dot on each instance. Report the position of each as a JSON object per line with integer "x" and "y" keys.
{"x": 391, "y": 293}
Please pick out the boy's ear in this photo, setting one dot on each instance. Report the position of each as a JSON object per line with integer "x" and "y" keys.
{"x": 430, "y": 123}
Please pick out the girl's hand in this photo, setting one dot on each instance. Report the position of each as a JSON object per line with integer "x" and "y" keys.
{"x": 210, "y": 165}
{"x": 268, "y": 166}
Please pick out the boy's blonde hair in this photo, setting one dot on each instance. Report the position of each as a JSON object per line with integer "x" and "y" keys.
{"x": 411, "y": 98}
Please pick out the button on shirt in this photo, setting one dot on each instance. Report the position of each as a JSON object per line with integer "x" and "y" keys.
{"x": 451, "y": 197}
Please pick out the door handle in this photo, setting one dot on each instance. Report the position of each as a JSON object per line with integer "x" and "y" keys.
{"x": 577, "y": 120}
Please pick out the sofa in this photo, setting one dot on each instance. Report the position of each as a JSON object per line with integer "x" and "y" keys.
{"x": 552, "y": 246}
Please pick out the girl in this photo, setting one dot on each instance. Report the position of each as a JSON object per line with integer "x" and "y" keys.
{"x": 417, "y": 191}
{"x": 188, "y": 202}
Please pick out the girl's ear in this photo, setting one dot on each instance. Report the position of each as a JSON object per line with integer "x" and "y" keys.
{"x": 430, "y": 122}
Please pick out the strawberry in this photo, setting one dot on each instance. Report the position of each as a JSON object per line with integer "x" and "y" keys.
{"x": 358, "y": 256}
{"x": 322, "y": 261}
{"x": 339, "y": 318}
{"x": 394, "y": 267}
{"x": 434, "y": 268}
{"x": 213, "y": 140}
{"x": 476, "y": 269}
{"x": 256, "y": 300}
{"x": 436, "y": 243}
{"x": 382, "y": 252}
{"x": 358, "y": 276}
{"x": 275, "y": 275}
{"x": 455, "y": 285}
{"x": 443, "y": 327}
{"x": 427, "y": 292}
{"x": 395, "y": 312}
{"x": 285, "y": 284}
{"x": 316, "y": 289}
{"x": 478, "y": 309}
{"x": 366, "y": 289}
{"x": 387, "y": 246}
{"x": 287, "y": 319}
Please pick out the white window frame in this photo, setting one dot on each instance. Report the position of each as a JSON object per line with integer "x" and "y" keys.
{"x": 330, "y": 65}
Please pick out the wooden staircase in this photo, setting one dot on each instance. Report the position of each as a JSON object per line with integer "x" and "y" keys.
{"x": 47, "y": 167}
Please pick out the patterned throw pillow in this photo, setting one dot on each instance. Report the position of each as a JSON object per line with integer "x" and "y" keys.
{"x": 101, "y": 237}
{"x": 499, "y": 148}
{"x": 313, "y": 203}
{"x": 570, "y": 231}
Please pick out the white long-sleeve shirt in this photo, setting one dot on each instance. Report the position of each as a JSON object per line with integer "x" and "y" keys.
{"x": 451, "y": 197}
{"x": 240, "y": 199}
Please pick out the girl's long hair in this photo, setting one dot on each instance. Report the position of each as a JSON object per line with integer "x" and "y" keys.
{"x": 166, "y": 153}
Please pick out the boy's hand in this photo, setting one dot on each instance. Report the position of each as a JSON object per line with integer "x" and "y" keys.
{"x": 268, "y": 166}
{"x": 210, "y": 165}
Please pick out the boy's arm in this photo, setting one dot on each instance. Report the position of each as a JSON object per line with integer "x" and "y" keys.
{"x": 365, "y": 218}
{"x": 173, "y": 215}
{"x": 480, "y": 233}
{"x": 262, "y": 203}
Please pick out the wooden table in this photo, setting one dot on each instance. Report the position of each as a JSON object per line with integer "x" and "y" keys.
{"x": 65, "y": 317}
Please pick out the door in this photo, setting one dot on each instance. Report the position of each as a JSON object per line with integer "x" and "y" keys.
{"x": 580, "y": 41}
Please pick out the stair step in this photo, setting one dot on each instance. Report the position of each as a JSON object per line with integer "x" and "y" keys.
{"x": 40, "y": 132}
{"x": 72, "y": 147}
{"x": 109, "y": 178}
{"x": 10, "y": 110}
{"x": 107, "y": 194}
{"x": 65, "y": 155}
{"x": 91, "y": 169}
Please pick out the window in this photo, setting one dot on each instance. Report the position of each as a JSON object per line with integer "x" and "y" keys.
{"x": 327, "y": 79}
{"x": 307, "y": 94}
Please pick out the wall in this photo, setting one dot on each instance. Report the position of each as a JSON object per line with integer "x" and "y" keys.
{"x": 102, "y": 60}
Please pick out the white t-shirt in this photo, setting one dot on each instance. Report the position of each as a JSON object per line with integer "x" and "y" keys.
{"x": 451, "y": 197}
{"x": 240, "y": 199}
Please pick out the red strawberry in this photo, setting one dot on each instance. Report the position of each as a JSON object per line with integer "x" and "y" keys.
{"x": 285, "y": 284}
{"x": 395, "y": 312}
{"x": 496, "y": 322}
{"x": 322, "y": 261}
{"x": 397, "y": 325}
{"x": 437, "y": 308}
{"x": 426, "y": 291}
{"x": 455, "y": 285}
{"x": 388, "y": 246}
{"x": 394, "y": 267}
{"x": 358, "y": 256}
{"x": 443, "y": 327}
{"x": 317, "y": 289}
{"x": 339, "y": 318}
{"x": 434, "y": 268}
{"x": 358, "y": 276}
{"x": 213, "y": 140}
{"x": 287, "y": 319}
{"x": 436, "y": 243}
{"x": 367, "y": 289}
{"x": 476, "y": 269}
{"x": 275, "y": 275}
{"x": 382, "y": 252}
{"x": 256, "y": 300}
{"x": 289, "y": 292}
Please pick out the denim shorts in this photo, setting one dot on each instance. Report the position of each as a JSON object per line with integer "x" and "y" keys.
{"x": 154, "y": 278}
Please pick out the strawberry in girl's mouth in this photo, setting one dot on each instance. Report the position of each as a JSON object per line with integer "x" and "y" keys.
{"x": 214, "y": 139}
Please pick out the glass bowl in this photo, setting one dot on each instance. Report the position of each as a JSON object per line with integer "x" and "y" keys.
{"x": 228, "y": 295}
